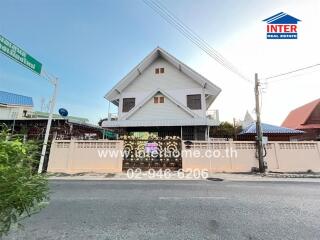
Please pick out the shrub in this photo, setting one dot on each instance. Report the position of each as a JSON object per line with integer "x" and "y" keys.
{"x": 23, "y": 192}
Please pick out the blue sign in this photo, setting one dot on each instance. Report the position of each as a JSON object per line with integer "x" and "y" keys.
{"x": 282, "y": 26}
{"x": 63, "y": 112}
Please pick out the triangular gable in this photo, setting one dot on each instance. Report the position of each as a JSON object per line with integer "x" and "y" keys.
{"x": 281, "y": 18}
{"x": 149, "y": 97}
{"x": 300, "y": 115}
{"x": 113, "y": 94}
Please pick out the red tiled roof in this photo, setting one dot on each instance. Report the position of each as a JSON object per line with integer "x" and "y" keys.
{"x": 298, "y": 117}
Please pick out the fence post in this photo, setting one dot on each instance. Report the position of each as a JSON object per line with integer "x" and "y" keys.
{"x": 319, "y": 150}
{"x": 276, "y": 152}
{"x": 70, "y": 157}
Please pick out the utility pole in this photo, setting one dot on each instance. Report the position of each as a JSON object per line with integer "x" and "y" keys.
{"x": 54, "y": 82}
{"x": 258, "y": 125}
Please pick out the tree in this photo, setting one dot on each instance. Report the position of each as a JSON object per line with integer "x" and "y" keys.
{"x": 225, "y": 130}
{"x": 23, "y": 192}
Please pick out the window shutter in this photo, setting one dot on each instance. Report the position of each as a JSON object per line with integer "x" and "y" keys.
{"x": 194, "y": 101}
{"x": 128, "y": 104}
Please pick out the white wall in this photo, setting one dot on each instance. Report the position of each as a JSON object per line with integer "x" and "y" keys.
{"x": 156, "y": 111}
{"x": 175, "y": 83}
{"x": 14, "y": 112}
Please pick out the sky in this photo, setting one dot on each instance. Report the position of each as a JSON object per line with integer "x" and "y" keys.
{"x": 91, "y": 45}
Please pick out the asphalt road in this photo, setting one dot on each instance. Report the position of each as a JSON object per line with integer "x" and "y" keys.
{"x": 177, "y": 210}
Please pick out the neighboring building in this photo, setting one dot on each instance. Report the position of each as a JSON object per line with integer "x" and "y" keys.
{"x": 163, "y": 96}
{"x": 15, "y": 106}
{"x": 306, "y": 118}
{"x": 16, "y": 111}
{"x": 274, "y": 133}
{"x": 61, "y": 128}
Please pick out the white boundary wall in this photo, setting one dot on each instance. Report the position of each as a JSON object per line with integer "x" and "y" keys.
{"x": 281, "y": 156}
{"x": 75, "y": 156}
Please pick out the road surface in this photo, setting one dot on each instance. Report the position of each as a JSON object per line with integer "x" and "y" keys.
{"x": 177, "y": 210}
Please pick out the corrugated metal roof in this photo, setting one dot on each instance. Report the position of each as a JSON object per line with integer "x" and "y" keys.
{"x": 15, "y": 99}
{"x": 270, "y": 129}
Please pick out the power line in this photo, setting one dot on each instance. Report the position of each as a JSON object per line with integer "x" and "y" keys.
{"x": 290, "y": 72}
{"x": 169, "y": 17}
{"x": 290, "y": 77}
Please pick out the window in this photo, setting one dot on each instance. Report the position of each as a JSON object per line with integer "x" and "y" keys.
{"x": 159, "y": 70}
{"x": 128, "y": 104}
{"x": 194, "y": 101}
{"x": 25, "y": 113}
{"x": 158, "y": 99}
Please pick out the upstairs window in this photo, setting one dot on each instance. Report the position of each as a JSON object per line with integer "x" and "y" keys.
{"x": 159, "y": 70}
{"x": 158, "y": 99}
{"x": 194, "y": 101}
{"x": 128, "y": 104}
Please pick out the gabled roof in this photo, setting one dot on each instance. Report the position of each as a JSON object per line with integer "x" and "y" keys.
{"x": 281, "y": 18}
{"x": 298, "y": 117}
{"x": 143, "y": 102}
{"x": 7, "y": 98}
{"x": 270, "y": 129}
{"x": 113, "y": 94}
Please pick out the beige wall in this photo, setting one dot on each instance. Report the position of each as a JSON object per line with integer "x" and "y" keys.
{"x": 77, "y": 156}
{"x": 83, "y": 156}
{"x": 281, "y": 156}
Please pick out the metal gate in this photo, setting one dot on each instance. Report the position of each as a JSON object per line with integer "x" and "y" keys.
{"x": 153, "y": 153}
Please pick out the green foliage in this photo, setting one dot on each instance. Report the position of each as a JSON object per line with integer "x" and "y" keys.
{"x": 225, "y": 130}
{"x": 23, "y": 192}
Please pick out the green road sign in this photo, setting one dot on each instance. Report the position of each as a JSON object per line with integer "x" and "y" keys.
{"x": 17, "y": 54}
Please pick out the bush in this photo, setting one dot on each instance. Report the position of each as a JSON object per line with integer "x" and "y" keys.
{"x": 23, "y": 192}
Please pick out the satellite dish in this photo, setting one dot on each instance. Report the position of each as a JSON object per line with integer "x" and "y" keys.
{"x": 63, "y": 112}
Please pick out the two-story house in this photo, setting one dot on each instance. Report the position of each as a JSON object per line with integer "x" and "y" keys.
{"x": 163, "y": 96}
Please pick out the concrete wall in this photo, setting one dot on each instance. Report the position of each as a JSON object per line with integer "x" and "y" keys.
{"x": 240, "y": 156}
{"x": 74, "y": 156}
{"x": 77, "y": 156}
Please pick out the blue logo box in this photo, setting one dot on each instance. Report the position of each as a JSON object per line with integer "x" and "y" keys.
{"x": 282, "y": 35}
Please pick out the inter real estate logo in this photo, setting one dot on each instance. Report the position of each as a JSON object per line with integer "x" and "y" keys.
{"x": 282, "y": 26}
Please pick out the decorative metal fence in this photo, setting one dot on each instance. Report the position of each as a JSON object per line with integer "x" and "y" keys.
{"x": 156, "y": 153}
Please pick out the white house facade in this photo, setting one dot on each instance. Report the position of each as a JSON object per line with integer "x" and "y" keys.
{"x": 163, "y": 96}
{"x": 15, "y": 106}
